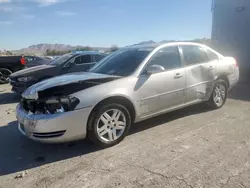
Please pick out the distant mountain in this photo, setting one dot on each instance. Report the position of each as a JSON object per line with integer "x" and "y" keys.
{"x": 40, "y": 49}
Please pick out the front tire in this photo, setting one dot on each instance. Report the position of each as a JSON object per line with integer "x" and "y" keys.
{"x": 109, "y": 124}
{"x": 219, "y": 95}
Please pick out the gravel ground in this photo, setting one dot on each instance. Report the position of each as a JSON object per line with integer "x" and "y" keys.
{"x": 192, "y": 147}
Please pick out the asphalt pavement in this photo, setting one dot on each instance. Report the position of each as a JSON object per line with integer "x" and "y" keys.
{"x": 192, "y": 147}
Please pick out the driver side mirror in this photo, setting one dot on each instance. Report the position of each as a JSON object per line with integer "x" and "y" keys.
{"x": 152, "y": 69}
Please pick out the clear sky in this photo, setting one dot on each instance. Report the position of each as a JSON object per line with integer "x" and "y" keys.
{"x": 101, "y": 23}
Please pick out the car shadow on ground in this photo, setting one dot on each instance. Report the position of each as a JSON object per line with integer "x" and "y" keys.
{"x": 19, "y": 153}
{"x": 168, "y": 117}
{"x": 9, "y": 98}
{"x": 240, "y": 92}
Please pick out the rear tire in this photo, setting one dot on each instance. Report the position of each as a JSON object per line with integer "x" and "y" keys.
{"x": 219, "y": 94}
{"x": 4, "y": 75}
{"x": 109, "y": 124}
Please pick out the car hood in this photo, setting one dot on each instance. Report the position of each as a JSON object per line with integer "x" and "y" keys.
{"x": 73, "y": 78}
{"x": 32, "y": 71}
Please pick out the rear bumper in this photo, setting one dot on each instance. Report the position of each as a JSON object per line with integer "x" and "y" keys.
{"x": 234, "y": 79}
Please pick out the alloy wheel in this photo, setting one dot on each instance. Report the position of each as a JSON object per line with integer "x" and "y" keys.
{"x": 219, "y": 94}
{"x": 111, "y": 125}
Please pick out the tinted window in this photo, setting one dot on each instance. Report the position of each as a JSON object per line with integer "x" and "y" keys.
{"x": 29, "y": 58}
{"x": 168, "y": 58}
{"x": 194, "y": 55}
{"x": 99, "y": 57}
{"x": 33, "y": 58}
{"x": 122, "y": 62}
{"x": 212, "y": 56}
{"x": 82, "y": 59}
{"x": 38, "y": 59}
{"x": 62, "y": 59}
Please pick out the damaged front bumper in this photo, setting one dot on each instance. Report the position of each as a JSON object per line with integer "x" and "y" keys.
{"x": 53, "y": 128}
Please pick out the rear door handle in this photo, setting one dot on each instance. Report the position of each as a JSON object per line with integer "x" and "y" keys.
{"x": 177, "y": 75}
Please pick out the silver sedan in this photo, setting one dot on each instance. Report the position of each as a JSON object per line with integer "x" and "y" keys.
{"x": 130, "y": 85}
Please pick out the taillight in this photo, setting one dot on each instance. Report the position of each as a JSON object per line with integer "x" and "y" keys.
{"x": 235, "y": 63}
{"x": 23, "y": 61}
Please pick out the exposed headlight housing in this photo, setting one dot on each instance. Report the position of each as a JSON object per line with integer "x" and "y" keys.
{"x": 26, "y": 79}
{"x": 59, "y": 105}
{"x": 53, "y": 105}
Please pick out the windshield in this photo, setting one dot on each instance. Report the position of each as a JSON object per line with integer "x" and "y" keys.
{"x": 121, "y": 63}
{"x": 62, "y": 59}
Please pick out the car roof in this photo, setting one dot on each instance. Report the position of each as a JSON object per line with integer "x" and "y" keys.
{"x": 86, "y": 52}
{"x": 155, "y": 45}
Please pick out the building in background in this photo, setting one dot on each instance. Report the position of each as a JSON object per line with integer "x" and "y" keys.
{"x": 231, "y": 29}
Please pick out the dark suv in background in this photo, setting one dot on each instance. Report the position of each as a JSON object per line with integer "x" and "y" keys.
{"x": 71, "y": 62}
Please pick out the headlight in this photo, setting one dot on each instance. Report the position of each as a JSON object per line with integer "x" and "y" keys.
{"x": 64, "y": 104}
{"x": 53, "y": 105}
{"x": 25, "y": 79}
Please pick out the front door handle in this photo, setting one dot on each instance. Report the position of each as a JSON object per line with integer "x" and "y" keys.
{"x": 177, "y": 75}
{"x": 211, "y": 67}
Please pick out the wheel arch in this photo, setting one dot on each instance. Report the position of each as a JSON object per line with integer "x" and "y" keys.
{"x": 5, "y": 81}
{"x": 116, "y": 99}
{"x": 225, "y": 78}
{"x": 9, "y": 69}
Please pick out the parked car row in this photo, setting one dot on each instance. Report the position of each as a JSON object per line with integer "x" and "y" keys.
{"x": 10, "y": 64}
{"x": 72, "y": 62}
{"x": 130, "y": 85}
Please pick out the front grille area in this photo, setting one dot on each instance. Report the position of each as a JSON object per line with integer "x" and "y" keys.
{"x": 22, "y": 127}
{"x": 12, "y": 82}
{"x": 49, "y": 134}
{"x": 16, "y": 83}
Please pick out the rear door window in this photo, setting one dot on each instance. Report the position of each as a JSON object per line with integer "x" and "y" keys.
{"x": 194, "y": 55}
{"x": 211, "y": 55}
